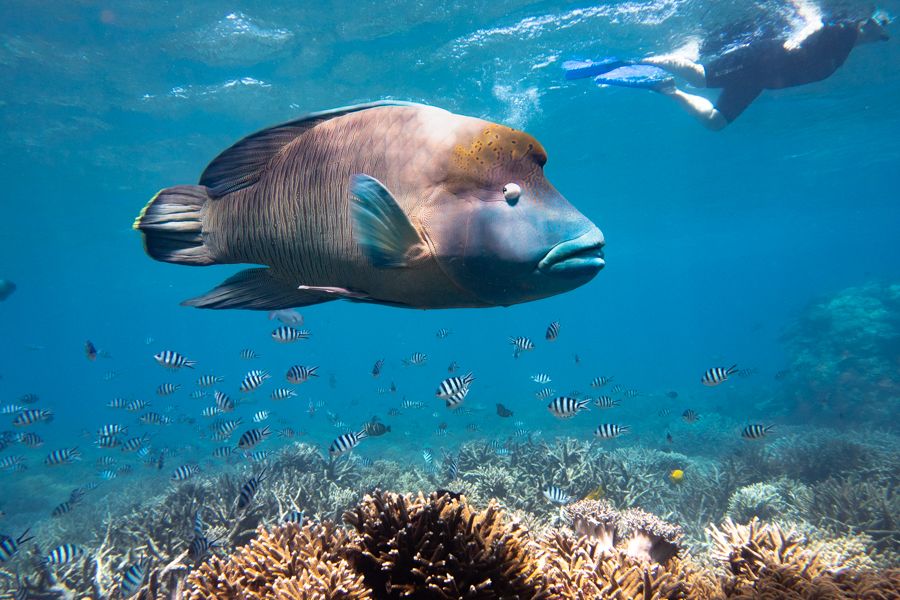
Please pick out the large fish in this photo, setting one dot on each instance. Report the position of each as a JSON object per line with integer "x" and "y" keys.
{"x": 389, "y": 202}
{"x": 6, "y": 288}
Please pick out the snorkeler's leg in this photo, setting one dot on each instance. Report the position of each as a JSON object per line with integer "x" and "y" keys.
{"x": 683, "y": 62}
{"x": 702, "y": 109}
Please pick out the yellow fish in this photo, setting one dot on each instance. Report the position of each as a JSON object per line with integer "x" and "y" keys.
{"x": 595, "y": 494}
{"x": 676, "y": 475}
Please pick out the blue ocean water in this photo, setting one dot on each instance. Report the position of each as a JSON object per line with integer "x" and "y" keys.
{"x": 715, "y": 241}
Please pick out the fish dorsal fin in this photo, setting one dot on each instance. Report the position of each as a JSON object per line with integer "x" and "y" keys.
{"x": 243, "y": 164}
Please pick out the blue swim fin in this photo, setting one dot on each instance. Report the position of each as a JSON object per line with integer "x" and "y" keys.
{"x": 580, "y": 69}
{"x": 645, "y": 77}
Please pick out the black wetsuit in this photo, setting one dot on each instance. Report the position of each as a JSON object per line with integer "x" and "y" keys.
{"x": 743, "y": 73}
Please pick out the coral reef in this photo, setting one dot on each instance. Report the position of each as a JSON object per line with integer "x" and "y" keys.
{"x": 843, "y": 353}
{"x": 769, "y": 500}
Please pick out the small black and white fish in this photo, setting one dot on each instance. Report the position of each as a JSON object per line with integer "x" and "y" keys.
{"x": 30, "y": 439}
{"x": 453, "y": 467}
{"x": 199, "y": 547}
{"x": 565, "y": 407}
{"x": 375, "y": 428}
{"x": 9, "y": 546}
{"x": 260, "y": 416}
{"x": 223, "y": 452}
{"x": 173, "y": 360}
{"x": 442, "y": 333}
{"x": 154, "y": 418}
{"x": 112, "y": 429}
{"x": 617, "y": 388}
{"x": 209, "y": 380}
{"x": 608, "y": 431}
{"x": 631, "y": 394}
{"x": 248, "y": 490}
{"x": 756, "y": 431}
{"x": 286, "y": 334}
{"x": 107, "y": 475}
{"x": 346, "y": 442}
{"x": 167, "y": 389}
{"x": 253, "y": 380}
{"x": 248, "y": 354}
{"x": 541, "y": 378}
{"x": 185, "y": 472}
{"x": 29, "y": 416}
{"x": 453, "y": 401}
{"x": 428, "y": 458}
{"x": 62, "y": 509}
{"x": 133, "y": 578}
{"x": 283, "y": 394}
{"x": 453, "y": 385}
{"x": 298, "y": 374}
{"x": 552, "y": 331}
{"x": 107, "y": 441}
{"x": 556, "y": 495}
{"x": 64, "y": 554}
{"x": 117, "y": 403}
{"x": 11, "y": 463}
{"x": 223, "y": 402}
{"x": 717, "y": 375}
{"x": 605, "y": 402}
{"x": 136, "y": 405}
{"x": 253, "y": 437}
{"x": 544, "y": 393}
{"x": 224, "y": 429}
{"x": 690, "y": 416}
{"x": 521, "y": 344}
{"x": 412, "y": 404}
{"x": 664, "y": 412}
{"x": 417, "y": 359}
{"x": 293, "y": 516}
{"x": 376, "y": 368}
{"x": 62, "y": 456}
{"x": 601, "y": 381}
{"x": 210, "y": 411}
{"x": 134, "y": 444}
{"x": 9, "y": 409}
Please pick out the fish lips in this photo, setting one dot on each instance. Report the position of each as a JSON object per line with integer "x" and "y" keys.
{"x": 578, "y": 257}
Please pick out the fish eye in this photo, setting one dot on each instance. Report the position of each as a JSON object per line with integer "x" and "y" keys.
{"x": 511, "y": 191}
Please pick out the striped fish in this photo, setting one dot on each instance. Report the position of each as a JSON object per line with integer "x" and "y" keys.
{"x": 253, "y": 380}
{"x": 9, "y": 409}
{"x": 299, "y": 374}
{"x": 200, "y": 547}
{"x": 248, "y": 354}
{"x": 521, "y": 344}
{"x": 417, "y": 359}
{"x": 453, "y": 385}
{"x": 664, "y": 412}
{"x": 185, "y": 472}
{"x": 29, "y": 416}
{"x": 283, "y": 394}
{"x": 453, "y": 467}
{"x": 224, "y": 429}
{"x": 154, "y": 418}
{"x": 631, "y": 394}
{"x": 442, "y": 333}
{"x": 62, "y": 509}
{"x": 293, "y": 516}
{"x": 286, "y": 335}
{"x": 64, "y": 554}
{"x": 260, "y": 416}
{"x": 62, "y": 456}
{"x": 133, "y": 578}
{"x": 107, "y": 441}
{"x": 223, "y": 402}
{"x": 376, "y": 368}
{"x": 412, "y": 404}
{"x": 117, "y": 403}
{"x": 167, "y": 389}
{"x": 8, "y": 463}
{"x": 223, "y": 451}
{"x": 608, "y": 431}
{"x": 600, "y": 381}
{"x": 211, "y": 411}
{"x": 605, "y": 402}
{"x": 556, "y": 495}
{"x": 552, "y": 331}
{"x": 9, "y": 546}
{"x": 541, "y": 378}
{"x": 544, "y": 393}
{"x": 690, "y": 416}
{"x": 30, "y": 440}
{"x": 209, "y": 380}
{"x": 173, "y": 360}
{"x": 198, "y": 394}
{"x": 565, "y": 407}
{"x": 252, "y": 437}
{"x": 107, "y": 475}
{"x": 112, "y": 429}
{"x": 456, "y": 399}
{"x": 717, "y": 375}
{"x": 134, "y": 444}
{"x": 259, "y": 455}
{"x": 248, "y": 490}
{"x": 756, "y": 431}
{"x": 136, "y": 405}
{"x": 345, "y": 442}
{"x": 428, "y": 458}
{"x": 616, "y": 388}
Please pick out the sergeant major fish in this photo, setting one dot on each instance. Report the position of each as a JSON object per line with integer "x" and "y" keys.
{"x": 388, "y": 203}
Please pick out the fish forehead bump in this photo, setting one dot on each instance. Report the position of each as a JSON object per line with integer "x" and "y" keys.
{"x": 479, "y": 153}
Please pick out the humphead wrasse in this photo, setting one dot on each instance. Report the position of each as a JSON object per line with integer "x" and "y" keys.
{"x": 390, "y": 203}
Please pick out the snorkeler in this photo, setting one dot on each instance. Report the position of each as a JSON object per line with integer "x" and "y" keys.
{"x": 742, "y": 71}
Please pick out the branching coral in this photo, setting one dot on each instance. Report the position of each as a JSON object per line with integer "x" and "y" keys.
{"x": 860, "y": 503}
{"x": 776, "y": 500}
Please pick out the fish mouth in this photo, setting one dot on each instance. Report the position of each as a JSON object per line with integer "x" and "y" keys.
{"x": 579, "y": 256}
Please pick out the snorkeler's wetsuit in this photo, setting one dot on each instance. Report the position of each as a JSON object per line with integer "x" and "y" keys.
{"x": 746, "y": 71}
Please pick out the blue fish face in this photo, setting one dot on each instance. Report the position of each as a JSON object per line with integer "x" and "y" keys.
{"x": 506, "y": 248}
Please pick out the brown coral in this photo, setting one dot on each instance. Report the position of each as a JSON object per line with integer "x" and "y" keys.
{"x": 304, "y": 561}
{"x": 438, "y": 547}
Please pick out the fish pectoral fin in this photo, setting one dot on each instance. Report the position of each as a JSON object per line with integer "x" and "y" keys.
{"x": 381, "y": 227}
{"x": 256, "y": 289}
{"x": 334, "y": 292}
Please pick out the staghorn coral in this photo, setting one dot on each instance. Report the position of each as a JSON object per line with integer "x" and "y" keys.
{"x": 290, "y": 561}
{"x": 439, "y": 547}
{"x": 860, "y": 503}
{"x": 781, "y": 499}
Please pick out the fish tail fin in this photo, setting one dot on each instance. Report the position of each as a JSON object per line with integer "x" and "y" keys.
{"x": 256, "y": 289}
{"x": 172, "y": 224}
{"x": 732, "y": 369}
{"x": 190, "y": 364}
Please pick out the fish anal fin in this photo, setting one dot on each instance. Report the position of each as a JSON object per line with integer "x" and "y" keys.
{"x": 243, "y": 163}
{"x": 256, "y": 289}
{"x": 381, "y": 226}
